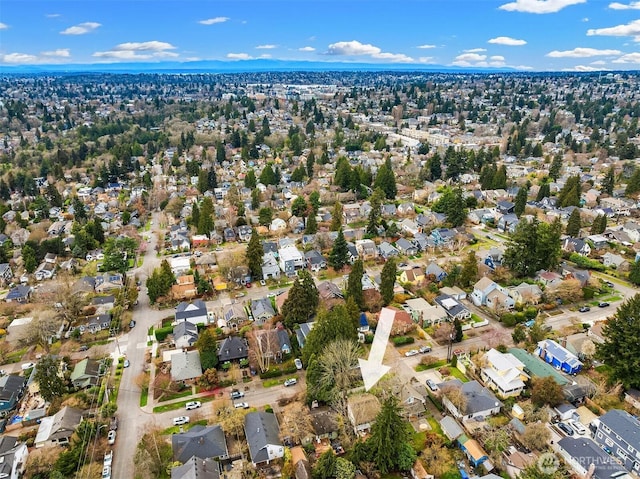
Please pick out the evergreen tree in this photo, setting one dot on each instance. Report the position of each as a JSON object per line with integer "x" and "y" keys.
{"x": 389, "y": 446}
{"x": 250, "y": 179}
{"x": 203, "y": 181}
{"x": 452, "y": 204}
{"x": 621, "y": 335}
{"x": 634, "y": 273}
{"x": 388, "y": 281}
{"x": 633, "y": 186}
{"x": 500, "y": 178}
{"x": 311, "y": 160}
{"x": 608, "y": 182}
{"x": 302, "y": 300}
{"x": 79, "y": 213}
{"x": 254, "y": 255}
{"x": 569, "y": 195}
{"x": 325, "y": 467}
{"x": 212, "y": 178}
{"x": 457, "y": 326}
{"x": 339, "y": 255}
{"x": 312, "y": 224}
{"x": 299, "y": 207}
{"x": 469, "y": 271}
{"x": 195, "y": 215}
{"x": 354, "y": 283}
{"x": 574, "y": 224}
{"x": 329, "y": 326}
{"x": 255, "y": 199}
{"x": 205, "y": 222}
{"x": 386, "y": 180}
{"x": 221, "y": 153}
{"x": 29, "y": 258}
{"x": 533, "y": 246}
{"x": 556, "y": 166}
{"x": 599, "y": 225}
{"x": 336, "y": 217}
{"x": 521, "y": 201}
{"x": 543, "y": 192}
{"x": 314, "y": 200}
{"x": 268, "y": 176}
{"x": 375, "y": 214}
{"x": 266, "y": 131}
{"x": 50, "y": 383}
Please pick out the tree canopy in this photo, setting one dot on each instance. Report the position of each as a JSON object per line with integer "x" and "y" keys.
{"x": 533, "y": 246}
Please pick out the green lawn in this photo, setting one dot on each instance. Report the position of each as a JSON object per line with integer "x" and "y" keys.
{"x": 452, "y": 474}
{"x": 178, "y": 395}
{"x": 144, "y": 397}
{"x": 269, "y": 383}
{"x": 181, "y": 404}
{"x": 437, "y": 364}
{"x": 456, "y": 373}
{"x": 15, "y": 356}
{"x": 435, "y": 425}
{"x": 176, "y": 429}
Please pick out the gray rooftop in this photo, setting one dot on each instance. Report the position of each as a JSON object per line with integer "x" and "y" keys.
{"x": 261, "y": 429}
{"x": 624, "y": 425}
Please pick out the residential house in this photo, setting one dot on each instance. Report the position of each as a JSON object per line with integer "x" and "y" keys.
{"x": 494, "y": 258}
{"x": 185, "y": 366}
{"x": 387, "y": 250}
{"x": 549, "y": 279}
{"x": 362, "y": 410}
{"x": 233, "y": 348}
{"x": 504, "y": 373}
{"x": 18, "y": 331}
{"x": 352, "y": 253}
{"x": 244, "y": 233}
{"x": 616, "y": 261}
{"x": 45, "y": 271}
{"x": 424, "y": 313}
{"x": 263, "y": 437}
{"x": 203, "y": 442}
{"x": 514, "y": 462}
{"x": 196, "y": 468}
{"x": 435, "y": 271}
{"x": 423, "y": 242}
{"x": 86, "y": 374}
{"x": 315, "y": 261}
{"x": 103, "y": 304}
{"x": 58, "y": 429}
{"x": 442, "y": 236}
{"x": 598, "y": 241}
{"x": 194, "y": 312}
{"x": 479, "y": 401}
{"x": 558, "y": 356}
{"x": 506, "y": 207}
{"x": 290, "y": 259}
{"x": 632, "y": 396}
{"x": 475, "y": 453}
{"x": 180, "y": 264}
{"x": 234, "y": 316}
{"x": 185, "y": 287}
{"x": 402, "y": 322}
{"x": 262, "y": 310}
{"x": 406, "y": 247}
{"x": 576, "y": 245}
{"x": 11, "y": 390}
{"x": 582, "y": 275}
{"x": 185, "y": 334}
{"x": 351, "y": 212}
{"x": 302, "y": 331}
{"x": 13, "y": 457}
{"x": 454, "y": 309}
{"x": 487, "y": 292}
{"x": 619, "y": 431}
{"x": 407, "y": 208}
{"x": 526, "y": 293}
{"x": 96, "y": 323}
{"x": 413, "y": 400}
{"x": 632, "y": 229}
{"x": 587, "y": 459}
{"x": 366, "y": 249}
{"x": 109, "y": 282}
{"x": 409, "y": 226}
{"x": 413, "y": 275}
{"x": 451, "y": 428}
{"x": 270, "y": 266}
{"x": 329, "y": 291}
{"x": 507, "y": 223}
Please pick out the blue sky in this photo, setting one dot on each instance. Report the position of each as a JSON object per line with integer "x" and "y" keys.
{"x": 536, "y": 35}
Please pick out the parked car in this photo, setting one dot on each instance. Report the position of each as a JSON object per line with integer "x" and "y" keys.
{"x": 113, "y": 426}
{"x": 132, "y": 324}
{"x": 192, "y": 405}
{"x": 271, "y": 295}
{"x": 106, "y": 472}
{"x": 242, "y": 405}
{"x": 578, "y": 427}
{"x": 108, "y": 458}
{"x": 26, "y": 366}
{"x": 241, "y": 295}
{"x": 609, "y": 283}
{"x": 180, "y": 420}
{"x": 584, "y": 309}
{"x": 565, "y": 428}
{"x": 111, "y": 437}
{"x": 603, "y": 304}
{"x": 432, "y": 385}
{"x": 298, "y": 363}
{"x": 126, "y": 363}
{"x": 291, "y": 382}
{"x": 411, "y": 352}
{"x": 235, "y": 394}
{"x": 424, "y": 349}
{"x": 84, "y": 347}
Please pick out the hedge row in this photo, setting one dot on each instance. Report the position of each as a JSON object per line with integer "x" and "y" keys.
{"x": 162, "y": 333}
{"x": 274, "y": 373}
{"x": 400, "y": 340}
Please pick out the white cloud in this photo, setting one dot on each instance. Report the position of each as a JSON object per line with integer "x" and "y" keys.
{"x": 17, "y": 58}
{"x": 625, "y": 6}
{"x": 512, "y": 42}
{"x": 582, "y": 68}
{"x": 266, "y": 55}
{"x": 60, "y": 52}
{"x": 631, "y": 29}
{"x": 81, "y": 28}
{"x": 475, "y": 50}
{"x": 213, "y": 21}
{"x": 497, "y": 58}
{"x": 307, "y": 49}
{"x": 628, "y": 58}
{"x": 425, "y": 47}
{"x": 599, "y": 62}
{"x": 425, "y": 60}
{"x": 3, "y": 26}
{"x": 581, "y": 52}
{"x": 355, "y": 48}
{"x": 470, "y": 57}
{"x": 585, "y": 19}
{"x": 266, "y": 47}
{"x": 152, "y": 50}
{"x": 538, "y": 6}
{"x": 238, "y": 56}
{"x": 53, "y": 15}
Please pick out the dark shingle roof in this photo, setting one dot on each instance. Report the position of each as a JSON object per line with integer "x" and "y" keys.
{"x": 200, "y": 441}
{"x": 261, "y": 429}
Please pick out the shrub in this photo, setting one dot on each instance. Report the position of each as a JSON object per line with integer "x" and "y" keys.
{"x": 401, "y": 340}
{"x": 162, "y": 333}
{"x": 271, "y": 373}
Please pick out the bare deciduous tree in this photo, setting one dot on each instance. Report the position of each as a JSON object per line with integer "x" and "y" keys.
{"x": 296, "y": 422}
{"x": 339, "y": 371}
{"x": 41, "y": 331}
{"x": 264, "y": 347}
{"x": 456, "y": 397}
{"x": 535, "y": 436}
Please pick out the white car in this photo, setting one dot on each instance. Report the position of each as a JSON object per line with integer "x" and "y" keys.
{"x": 578, "y": 427}
{"x": 106, "y": 472}
{"x": 298, "y": 363}
{"x": 263, "y": 282}
{"x": 180, "y": 420}
{"x": 242, "y": 405}
{"x": 108, "y": 459}
{"x": 26, "y": 366}
{"x": 291, "y": 382}
{"x": 111, "y": 437}
{"x": 411, "y": 352}
{"x": 192, "y": 405}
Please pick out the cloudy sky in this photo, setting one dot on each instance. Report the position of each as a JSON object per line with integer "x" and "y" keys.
{"x": 534, "y": 35}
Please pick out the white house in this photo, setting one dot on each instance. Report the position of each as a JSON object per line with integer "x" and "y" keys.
{"x": 504, "y": 373}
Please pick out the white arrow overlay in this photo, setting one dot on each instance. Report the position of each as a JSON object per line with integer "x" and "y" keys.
{"x": 372, "y": 369}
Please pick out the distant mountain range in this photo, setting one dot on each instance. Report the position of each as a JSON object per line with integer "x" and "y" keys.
{"x": 243, "y": 66}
